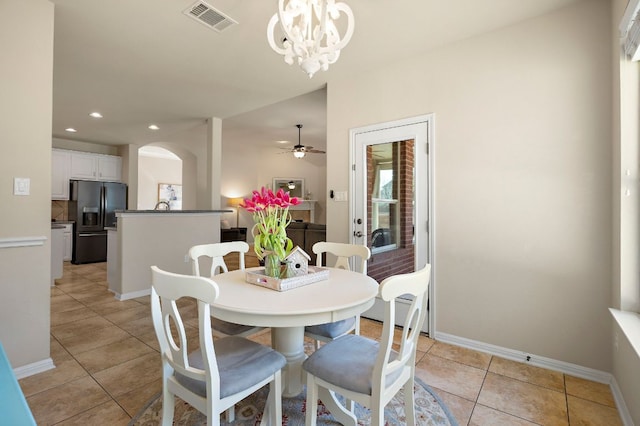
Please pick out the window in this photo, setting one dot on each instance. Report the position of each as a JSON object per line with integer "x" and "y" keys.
{"x": 629, "y": 291}
{"x": 385, "y": 208}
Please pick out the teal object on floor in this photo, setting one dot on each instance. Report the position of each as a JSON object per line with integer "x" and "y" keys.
{"x": 13, "y": 405}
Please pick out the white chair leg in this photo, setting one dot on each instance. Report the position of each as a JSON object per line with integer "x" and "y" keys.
{"x": 168, "y": 406}
{"x": 213, "y": 416}
{"x": 409, "y": 403}
{"x": 350, "y": 405}
{"x": 231, "y": 413}
{"x": 377, "y": 416}
{"x": 276, "y": 390}
{"x": 312, "y": 402}
{"x": 377, "y": 410}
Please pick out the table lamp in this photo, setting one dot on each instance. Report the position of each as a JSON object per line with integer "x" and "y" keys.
{"x": 235, "y": 203}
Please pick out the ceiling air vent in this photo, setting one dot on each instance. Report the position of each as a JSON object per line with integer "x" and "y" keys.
{"x": 207, "y": 15}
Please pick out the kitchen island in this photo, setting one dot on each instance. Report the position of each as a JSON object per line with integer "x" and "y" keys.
{"x": 143, "y": 238}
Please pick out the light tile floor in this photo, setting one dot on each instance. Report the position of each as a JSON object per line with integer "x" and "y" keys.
{"x": 108, "y": 367}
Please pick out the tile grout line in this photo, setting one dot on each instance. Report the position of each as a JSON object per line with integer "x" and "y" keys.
{"x": 475, "y": 403}
{"x": 89, "y": 374}
{"x": 566, "y": 397}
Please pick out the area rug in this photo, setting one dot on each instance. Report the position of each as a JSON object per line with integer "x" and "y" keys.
{"x": 430, "y": 410}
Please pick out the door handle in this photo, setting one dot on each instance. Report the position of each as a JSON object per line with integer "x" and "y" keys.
{"x": 93, "y": 234}
{"x": 358, "y": 234}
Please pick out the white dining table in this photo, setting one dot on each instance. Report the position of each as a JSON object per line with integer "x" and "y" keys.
{"x": 343, "y": 295}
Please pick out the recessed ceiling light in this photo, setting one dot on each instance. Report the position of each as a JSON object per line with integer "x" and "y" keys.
{"x": 70, "y": 130}
{"x": 154, "y": 127}
{"x": 96, "y": 115}
{"x": 283, "y": 142}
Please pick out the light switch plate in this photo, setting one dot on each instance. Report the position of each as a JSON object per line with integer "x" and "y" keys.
{"x": 340, "y": 196}
{"x": 21, "y": 186}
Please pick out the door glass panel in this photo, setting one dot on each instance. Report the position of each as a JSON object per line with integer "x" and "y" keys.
{"x": 384, "y": 204}
{"x": 390, "y": 208}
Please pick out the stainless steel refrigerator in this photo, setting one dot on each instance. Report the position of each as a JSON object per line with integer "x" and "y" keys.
{"x": 92, "y": 207}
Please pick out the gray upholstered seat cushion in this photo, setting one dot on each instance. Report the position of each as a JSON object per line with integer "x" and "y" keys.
{"x": 332, "y": 329}
{"x": 241, "y": 363}
{"x": 229, "y": 328}
{"x": 347, "y": 362}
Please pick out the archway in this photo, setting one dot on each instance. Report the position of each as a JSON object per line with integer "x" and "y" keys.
{"x": 159, "y": 178}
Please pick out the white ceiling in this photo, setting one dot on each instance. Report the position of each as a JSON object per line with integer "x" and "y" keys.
{"x": 143, "y": 61}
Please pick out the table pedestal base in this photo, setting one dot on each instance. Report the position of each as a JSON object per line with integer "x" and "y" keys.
{"x": 289, "y": 341}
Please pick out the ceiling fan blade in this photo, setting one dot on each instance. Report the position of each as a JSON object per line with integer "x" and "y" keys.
{"x": 300, "y": 150}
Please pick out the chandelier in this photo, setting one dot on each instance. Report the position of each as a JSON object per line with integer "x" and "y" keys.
{"x": 309, "y": 31}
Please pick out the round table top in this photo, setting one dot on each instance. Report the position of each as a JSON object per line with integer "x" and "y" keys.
{"x": 343, "y": 295}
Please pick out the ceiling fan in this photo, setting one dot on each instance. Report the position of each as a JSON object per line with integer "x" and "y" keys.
{"x": 299, "y": 150}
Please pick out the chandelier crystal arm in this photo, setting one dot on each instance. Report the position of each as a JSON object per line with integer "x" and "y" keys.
{"x": 310, "y": 34}
{"x": 323, "y": 25}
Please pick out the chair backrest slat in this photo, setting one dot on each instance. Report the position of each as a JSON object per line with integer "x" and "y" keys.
{"x": 216, "y": 252}
{"x": 343, "y": 252}
{"x": 166, "y": 289}
{"x": 415, "y": 284}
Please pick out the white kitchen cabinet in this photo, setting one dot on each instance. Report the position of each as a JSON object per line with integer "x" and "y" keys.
{"x": 83, "y": 166}
{"x": 60, "y": 162}
{"x": 67, "y": 237}
{"x": 95, "y": 167}
{"x": 113, "y": 261}
{"x": 56, "y": 253}
{"x": 110, "y": 168}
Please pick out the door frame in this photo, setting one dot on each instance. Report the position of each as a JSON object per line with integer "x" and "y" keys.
{"x": 427, "y": 120}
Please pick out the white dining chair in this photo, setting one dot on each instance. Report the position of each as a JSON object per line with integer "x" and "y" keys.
{"x": 365, "y": 370}
{"x": 344, "y": 252}
{"x": 216, "y": 252}
{"x": 209, "y": 378}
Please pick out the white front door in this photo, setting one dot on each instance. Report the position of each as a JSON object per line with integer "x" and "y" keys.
{"x": 392, "y": 184}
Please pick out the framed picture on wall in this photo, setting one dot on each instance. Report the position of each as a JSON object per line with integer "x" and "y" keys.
{"x": 294, "y": 186}
{"x": 170, "y": 193}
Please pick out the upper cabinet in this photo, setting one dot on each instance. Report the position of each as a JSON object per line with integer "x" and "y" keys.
{"x": 67, "y": 165}
{"x": 60, "y": 161}
{"x": 83, "y": 166}
{"x": 110, "y": 168}
{"x": 95, "y": 167}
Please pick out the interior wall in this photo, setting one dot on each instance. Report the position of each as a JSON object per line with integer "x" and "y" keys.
{"x": 256, "y": 170}
{"x": 153, "y": 171}
{"x": 523, "y": 178}
{"x": 626, "y": 207}
{"x": 259, "y": 169}
{"x": 194, "y": 166}
{"x": 129, "y": 154}
{"x": 82, "y": 146}
{"x": 26, "y": 43}
{"x": 189, "y": 146}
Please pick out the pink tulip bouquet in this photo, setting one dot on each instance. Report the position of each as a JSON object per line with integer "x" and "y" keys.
{"x": 271, "y": 217}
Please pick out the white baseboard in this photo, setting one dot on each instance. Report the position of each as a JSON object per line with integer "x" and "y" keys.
{"x": 548, "y": 363}
{"x": 133, "y": 294}
{"x": 622, "y": 406}
{"x": 531, "y": 359}
{"x": 33, "y": 368}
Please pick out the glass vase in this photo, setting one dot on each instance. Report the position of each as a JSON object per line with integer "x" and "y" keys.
{"x": 272, "y": 266}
